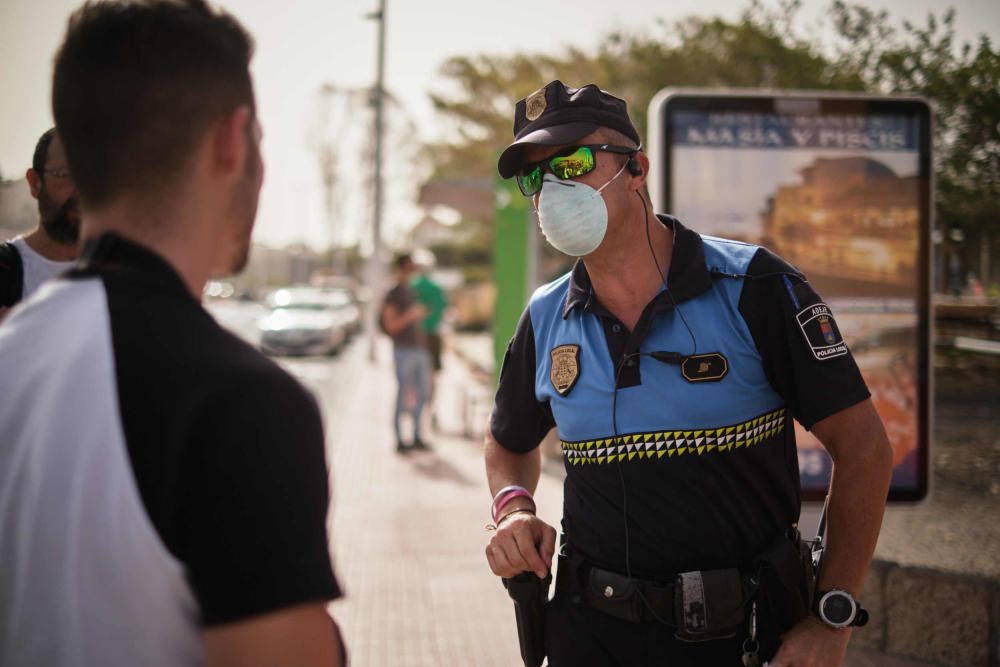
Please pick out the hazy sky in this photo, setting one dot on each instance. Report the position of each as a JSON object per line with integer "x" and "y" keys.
{"x": 304, "y": 43}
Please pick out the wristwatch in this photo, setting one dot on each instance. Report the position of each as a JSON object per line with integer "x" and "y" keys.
{"x": 839, "y": 609}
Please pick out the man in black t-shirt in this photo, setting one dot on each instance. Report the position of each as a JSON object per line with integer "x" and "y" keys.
{"x": 671, "y": 365}
{"x": 401, "y": 315}
{"x": 165, "y": 489}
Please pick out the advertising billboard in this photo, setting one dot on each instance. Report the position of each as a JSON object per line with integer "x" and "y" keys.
{"x": 840, "y": 186}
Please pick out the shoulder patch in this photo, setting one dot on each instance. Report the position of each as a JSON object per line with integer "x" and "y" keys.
{"x": 821, "y": 332}
{"x": 565, "y": 369}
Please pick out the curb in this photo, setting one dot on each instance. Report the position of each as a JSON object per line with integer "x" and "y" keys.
{"x": 949, "y": 619}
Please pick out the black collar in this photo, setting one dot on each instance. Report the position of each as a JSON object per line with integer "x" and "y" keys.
{"x": 112, "y": 253}
{"x": 687, "y": 276}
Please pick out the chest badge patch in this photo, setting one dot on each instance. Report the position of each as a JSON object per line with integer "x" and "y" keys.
{"x": 710, "y": 367}
{"x": 565, "y": 369}
{"x": 821, "y": 332}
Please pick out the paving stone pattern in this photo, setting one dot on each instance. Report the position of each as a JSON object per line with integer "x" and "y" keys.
{"x": 408, "y": 537}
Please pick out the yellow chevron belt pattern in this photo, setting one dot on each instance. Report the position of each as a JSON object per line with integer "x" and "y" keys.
{"x": 675, "y": 443}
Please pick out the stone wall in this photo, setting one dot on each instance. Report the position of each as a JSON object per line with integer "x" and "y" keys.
{"x": 943, "y": 618}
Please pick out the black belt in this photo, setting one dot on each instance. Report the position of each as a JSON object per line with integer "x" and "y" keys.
{"x": 618, "y": 595}
{"x": 701, "y": 605}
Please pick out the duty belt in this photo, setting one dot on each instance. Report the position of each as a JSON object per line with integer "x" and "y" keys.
{"x": 700, "y": 605}
{"x": 615, "y": 594}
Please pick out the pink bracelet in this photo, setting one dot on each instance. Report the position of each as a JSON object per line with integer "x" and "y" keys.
{"x": 504, "y": 491}
{"x": 508, "y": 494}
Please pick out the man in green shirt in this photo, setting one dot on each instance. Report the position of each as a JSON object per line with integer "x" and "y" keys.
{"x": 433, "y": 298}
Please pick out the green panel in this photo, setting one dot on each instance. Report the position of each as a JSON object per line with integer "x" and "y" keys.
{"x": 511, "y": 227}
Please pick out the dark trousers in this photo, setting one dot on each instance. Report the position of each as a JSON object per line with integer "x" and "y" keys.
{"x": 578, "y": 636}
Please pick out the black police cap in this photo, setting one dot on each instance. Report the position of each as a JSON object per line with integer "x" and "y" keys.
{"x": 558, "y": 114}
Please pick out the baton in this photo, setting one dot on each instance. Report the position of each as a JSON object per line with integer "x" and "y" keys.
{"x": 530, "y": 594}
{"x": 817, "y": 545}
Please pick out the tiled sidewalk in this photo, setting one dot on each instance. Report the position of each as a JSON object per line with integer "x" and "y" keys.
{"x": 408, "y": 535}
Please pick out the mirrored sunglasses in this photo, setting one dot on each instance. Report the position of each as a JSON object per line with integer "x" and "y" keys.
{"x": 568, "y": 163}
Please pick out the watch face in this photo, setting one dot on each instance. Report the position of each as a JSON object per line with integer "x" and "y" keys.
{"x": 838, "y": 608}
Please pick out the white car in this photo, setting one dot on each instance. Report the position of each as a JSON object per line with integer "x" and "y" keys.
{"x": 307, "y": 321}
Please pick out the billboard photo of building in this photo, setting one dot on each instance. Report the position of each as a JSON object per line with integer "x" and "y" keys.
{"x": 840, "y": 191}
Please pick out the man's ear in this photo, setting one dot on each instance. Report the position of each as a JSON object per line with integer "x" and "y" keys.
{"x": 231, "y": 140}
{"x": 638, "y": 180}
{"x": 34, "y": 182}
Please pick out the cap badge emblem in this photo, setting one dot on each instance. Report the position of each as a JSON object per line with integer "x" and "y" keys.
{"x": 534, "y": 104}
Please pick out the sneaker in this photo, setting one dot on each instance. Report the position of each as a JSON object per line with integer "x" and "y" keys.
{"x": 402, "y": 448}
{"x": 420, "y": 444}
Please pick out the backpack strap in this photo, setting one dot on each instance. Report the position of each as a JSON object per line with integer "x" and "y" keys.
{"x": 11, "y": 274}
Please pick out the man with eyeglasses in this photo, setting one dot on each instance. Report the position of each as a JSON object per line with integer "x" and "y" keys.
{"x": 671, "y": 365}
{"x": 28, "y": 261}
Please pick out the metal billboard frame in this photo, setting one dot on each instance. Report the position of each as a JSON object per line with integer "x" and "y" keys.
{"x": 670, "y": 101}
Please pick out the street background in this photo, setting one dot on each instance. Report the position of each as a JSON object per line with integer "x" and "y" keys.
{"x": 382, "y": 123}
{"x": 408, "y": 532}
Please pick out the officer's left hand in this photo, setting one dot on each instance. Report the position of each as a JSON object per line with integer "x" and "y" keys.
{"x": 812, "y": 644}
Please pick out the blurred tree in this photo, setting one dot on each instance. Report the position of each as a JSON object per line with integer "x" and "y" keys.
{"x": 765, "y": 48}
{"x": 479, "y": 112}
{"x": 760, "y": 50}
{"x": 340, "y": 134}
{"x": 336, "y": 110}
{"x": 963, "y": 85}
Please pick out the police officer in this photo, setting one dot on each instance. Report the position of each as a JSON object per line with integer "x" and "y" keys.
{"x": 671, "y": 365}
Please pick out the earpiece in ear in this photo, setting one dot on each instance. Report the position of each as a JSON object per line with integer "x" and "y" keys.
{"x": 633, "y": 166}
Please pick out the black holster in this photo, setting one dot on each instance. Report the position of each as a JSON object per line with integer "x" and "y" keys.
{"x": 787, "y": 582}
{"x": 530, "y": 594}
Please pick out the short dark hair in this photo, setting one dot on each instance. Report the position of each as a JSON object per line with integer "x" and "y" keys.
{"x": 136, "y": 85}
{"x": 613, "y": 136}
{"x": 41, "y": 156}
{"x": 403, "y": 259}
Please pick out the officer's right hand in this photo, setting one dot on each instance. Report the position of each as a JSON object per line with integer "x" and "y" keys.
{"x": 521, "y": 543}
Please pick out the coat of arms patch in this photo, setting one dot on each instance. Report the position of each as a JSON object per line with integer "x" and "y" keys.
{"x": 565, "y": 369}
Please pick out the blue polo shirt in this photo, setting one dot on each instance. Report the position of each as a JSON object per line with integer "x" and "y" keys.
{"x": 704, "y": 445}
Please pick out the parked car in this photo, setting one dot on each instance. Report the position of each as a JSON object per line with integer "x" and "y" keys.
{"x": 307, "y": 320}
{"x": 360, "y": 294}
{"x": 345, "y": 302}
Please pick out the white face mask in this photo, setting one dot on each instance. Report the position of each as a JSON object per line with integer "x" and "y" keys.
{"x": 573, "y": 215}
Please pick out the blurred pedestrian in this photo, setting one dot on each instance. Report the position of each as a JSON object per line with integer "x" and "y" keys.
{"x": 433, "y": 298}
{"x": 671, "y": 365}
{"x": 956, "y": 282}
{"x": 401, "y": 317}
{"x": 28, "y": 261}
{"x": 165, "y": 492}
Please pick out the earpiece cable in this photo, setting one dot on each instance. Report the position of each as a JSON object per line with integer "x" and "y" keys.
{"x": 621, "y": 477}
{"x": 614, "y": 399}
{"x": 663, "y": 275}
